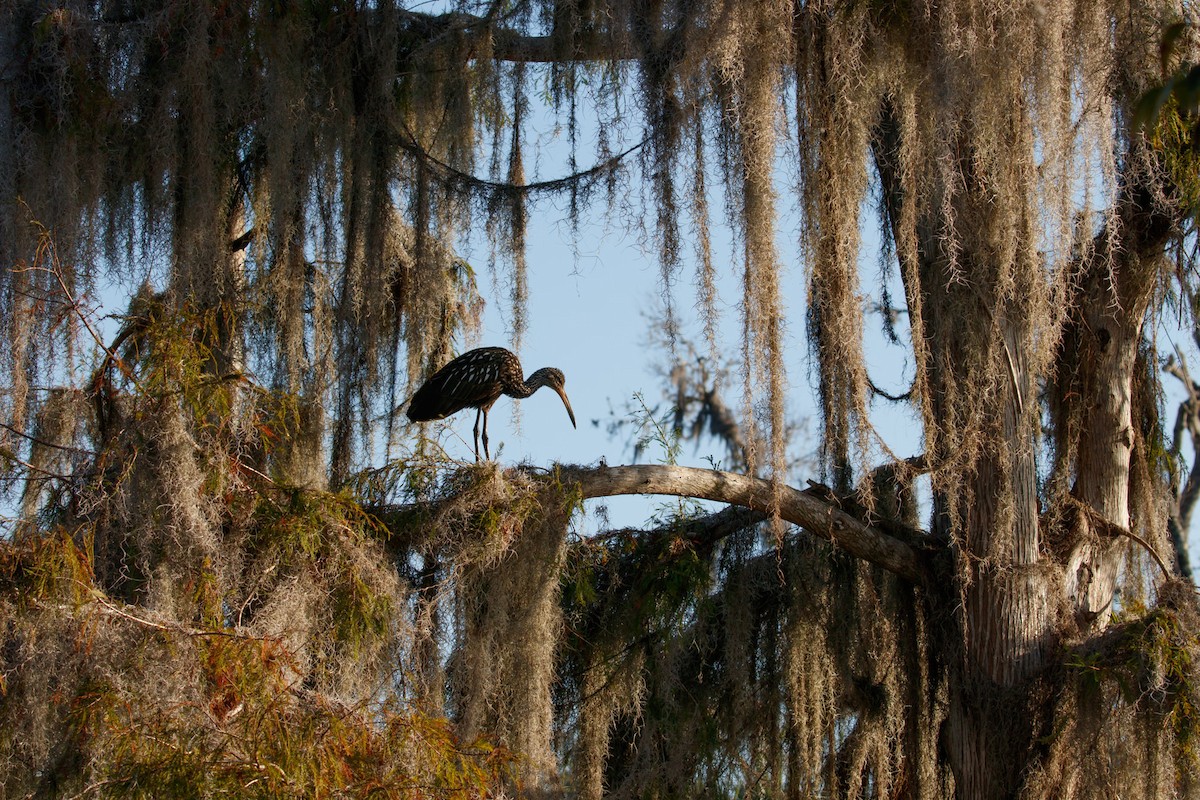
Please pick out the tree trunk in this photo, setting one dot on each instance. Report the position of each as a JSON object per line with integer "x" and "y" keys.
{"x": 8, "y": 145}
{"x": 1004, "y": 626}
{"x": 1095, "y": 398}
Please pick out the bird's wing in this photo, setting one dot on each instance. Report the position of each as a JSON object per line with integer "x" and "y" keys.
{"x": 468, "y": 381}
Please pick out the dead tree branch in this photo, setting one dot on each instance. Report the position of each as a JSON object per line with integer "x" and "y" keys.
{"x": 1185, "y": 488}
{"x": 815, "y": 516}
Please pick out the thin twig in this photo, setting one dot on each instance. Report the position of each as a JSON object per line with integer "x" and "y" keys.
{"x": 46, "y": 245}
{"x": 43, "y": 442}
{"x": 113, "y": 610}
{"x": 1154, "y": 553}
{"x": 408, "y": 141}
{"x": 47, "y": 475}
{"x": 1114, "y": 529}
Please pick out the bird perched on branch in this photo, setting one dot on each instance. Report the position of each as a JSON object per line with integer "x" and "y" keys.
{"x": 476, "y": 379}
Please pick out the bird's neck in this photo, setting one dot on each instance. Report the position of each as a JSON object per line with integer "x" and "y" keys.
{"x": 527, "y": 386}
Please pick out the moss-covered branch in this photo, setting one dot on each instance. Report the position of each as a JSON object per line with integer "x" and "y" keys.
{"x": 818, "y": 517}
{"x": 817, "y": 511}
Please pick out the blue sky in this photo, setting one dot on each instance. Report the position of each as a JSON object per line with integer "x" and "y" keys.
{"x": 592, "y": 296}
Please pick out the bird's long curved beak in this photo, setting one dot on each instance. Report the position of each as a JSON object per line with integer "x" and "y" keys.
{"x": 567, "y": 403}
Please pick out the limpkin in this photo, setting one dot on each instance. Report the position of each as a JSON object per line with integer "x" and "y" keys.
{"x": 476, "y": 379}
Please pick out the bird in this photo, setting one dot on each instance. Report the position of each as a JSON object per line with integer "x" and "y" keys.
{"x": 476, "y": 379}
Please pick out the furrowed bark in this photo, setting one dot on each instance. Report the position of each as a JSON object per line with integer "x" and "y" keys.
{"x": 1004, "y": 621}
{"x": 1097, "y": 372}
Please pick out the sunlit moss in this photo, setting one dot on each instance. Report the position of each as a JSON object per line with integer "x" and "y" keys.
{"x": 202, "y": 598}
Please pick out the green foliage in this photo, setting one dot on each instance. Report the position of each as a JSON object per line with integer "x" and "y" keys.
{"x": 1152, "y": 665}
{"x": 158, "y": 709}
{"x": 319, "y": 529}
{"x": 53, "y": 567}
{"x": 250, "y": 735}
{"x": 1166, "y": 649}
{"x": 637, "y": 583}
{"x": 653, "y": 431}
{"x": 202, "y": 629}
{"x": 1176, "y": 136}
{"x": 1169, "y": 113}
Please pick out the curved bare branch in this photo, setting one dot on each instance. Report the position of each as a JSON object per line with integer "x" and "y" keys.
{"x": 816, "y": 516}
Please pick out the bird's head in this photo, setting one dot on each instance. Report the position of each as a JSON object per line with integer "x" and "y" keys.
{"x": 549, "y": 376}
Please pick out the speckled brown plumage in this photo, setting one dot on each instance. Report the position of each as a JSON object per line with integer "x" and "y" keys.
{"x": 476, "y": 379}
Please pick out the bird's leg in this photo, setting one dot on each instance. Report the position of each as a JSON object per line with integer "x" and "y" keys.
{"x": 479, "y": 411}
{"x": 486, "y": 454}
